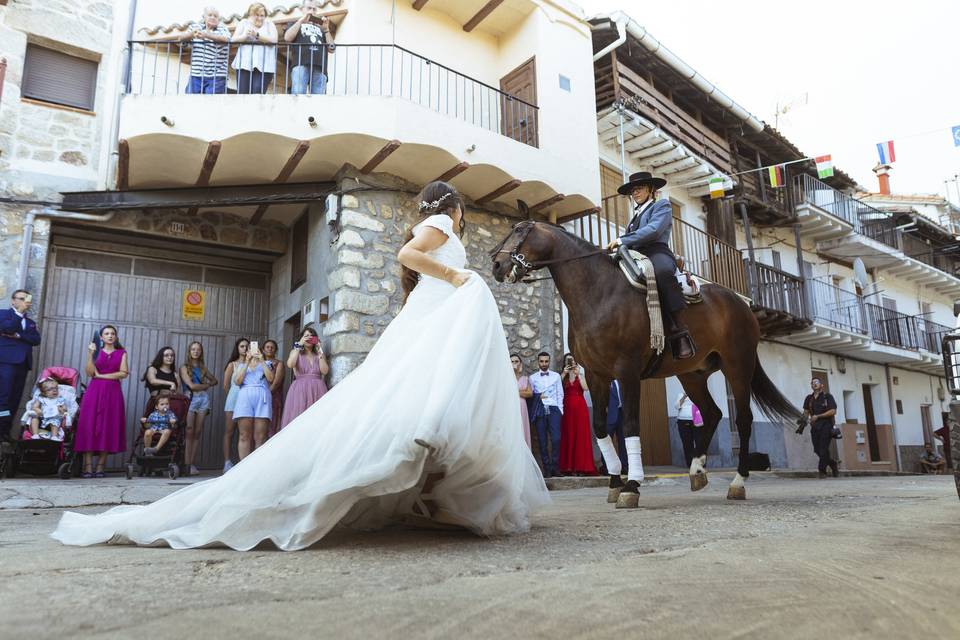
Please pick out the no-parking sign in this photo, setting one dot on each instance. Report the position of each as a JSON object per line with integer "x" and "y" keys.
{"x": 194, "y": 302}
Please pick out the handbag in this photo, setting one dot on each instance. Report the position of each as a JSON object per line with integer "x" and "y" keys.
{"x": 697, "y": 418}
{"x": 836, "y": 433}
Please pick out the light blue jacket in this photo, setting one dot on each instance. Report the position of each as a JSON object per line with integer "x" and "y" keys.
{"x": 653, "y": 225}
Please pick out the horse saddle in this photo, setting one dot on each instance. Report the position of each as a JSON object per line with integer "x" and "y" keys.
{"x": 635, "y": 266}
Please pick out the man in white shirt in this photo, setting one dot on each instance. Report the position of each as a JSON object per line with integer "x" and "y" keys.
{"x": 547, "y": 413}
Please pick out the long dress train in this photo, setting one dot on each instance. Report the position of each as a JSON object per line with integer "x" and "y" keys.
{"x": 440, "y": 374}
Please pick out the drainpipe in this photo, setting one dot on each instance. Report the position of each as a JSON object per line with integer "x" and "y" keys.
{"x": 752, "y": 267}
{"x": 893, "y": 416}
{"x": 124, "y": 85}
{"x": 621, "y": 24}
{"x": 46, "y": 212}
{"x": 3, "y": 74}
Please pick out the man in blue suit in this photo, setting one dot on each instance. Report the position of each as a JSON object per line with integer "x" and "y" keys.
{"x": 615, "y": 423}
{"x": 649, "y": 233}
{"x": 18, "y": 337}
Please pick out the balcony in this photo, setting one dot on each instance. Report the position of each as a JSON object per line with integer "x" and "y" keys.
{"x": 385, "y": 109}
{"x": 778, "y": 300}
{"x": 822, "y": 211}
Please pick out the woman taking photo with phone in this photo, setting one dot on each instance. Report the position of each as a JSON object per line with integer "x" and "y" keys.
{"x": 254, "y": 404}
{"x": 576, "y": 437}
{"x": 309, "y": 365}
{"x": 237, "y": 357}
{"x": 101, "y": 426}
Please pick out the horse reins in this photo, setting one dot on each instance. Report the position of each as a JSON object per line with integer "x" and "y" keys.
{"x": 520, "y": 260}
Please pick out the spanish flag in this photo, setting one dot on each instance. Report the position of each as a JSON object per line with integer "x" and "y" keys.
{"x": 776, "y": 175}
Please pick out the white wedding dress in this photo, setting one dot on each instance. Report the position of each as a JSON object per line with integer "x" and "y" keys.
{"x": 440, "y": 374}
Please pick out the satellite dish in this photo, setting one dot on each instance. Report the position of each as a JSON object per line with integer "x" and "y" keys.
{"x": 860, "y": 273}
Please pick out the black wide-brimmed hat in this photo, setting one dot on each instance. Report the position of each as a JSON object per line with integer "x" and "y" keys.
{"x": 641, "y": 178}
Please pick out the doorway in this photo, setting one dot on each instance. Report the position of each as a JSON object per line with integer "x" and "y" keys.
{"x": 872, "y": 440}
{"x": 518, "y": 118}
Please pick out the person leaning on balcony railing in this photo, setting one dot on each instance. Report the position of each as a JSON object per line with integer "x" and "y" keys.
{"x": 209, "y": 53}
{"x": 312, "y": 41}
{"x": 649, "y": 233}
{"x": 256, "y": 58}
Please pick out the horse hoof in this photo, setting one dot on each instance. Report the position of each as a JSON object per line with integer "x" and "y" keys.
{"x": 698, "y": 481}
{"x": 627, "y": 500}
{"x": 613, "y": 494}
{"x": 737, "y": 493}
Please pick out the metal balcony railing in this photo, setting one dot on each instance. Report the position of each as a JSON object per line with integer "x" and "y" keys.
{"x": 892, "y": 327}
{"x": 931, "y": 335}
{"x": 836, "y": 307}
{"x": 158, "y": 68}
{"x": 808, "y": 189}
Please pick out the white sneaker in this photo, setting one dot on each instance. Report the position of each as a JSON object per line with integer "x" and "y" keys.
{"x": 227, "y": 465}
{"x": 194, "y": 471}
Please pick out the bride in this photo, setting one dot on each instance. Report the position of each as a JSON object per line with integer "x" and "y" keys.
{"x": 426, "y": 429}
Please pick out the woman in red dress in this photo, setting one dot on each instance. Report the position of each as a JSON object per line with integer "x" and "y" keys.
{"x": 576, "y": 438}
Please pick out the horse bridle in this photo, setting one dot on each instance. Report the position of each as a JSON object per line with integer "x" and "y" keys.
{"x": 519, "y": 260}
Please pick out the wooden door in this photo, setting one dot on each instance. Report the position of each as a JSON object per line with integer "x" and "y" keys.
{"x": 872, "y": 441}
{"x": 654, "y": 424}
{"x": 518, "y": 118}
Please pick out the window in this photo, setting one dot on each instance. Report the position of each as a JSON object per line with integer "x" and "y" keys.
{"x": 298, "y": 251}
{"x": 59, "y": 78}
{"x": 564, "y": 83}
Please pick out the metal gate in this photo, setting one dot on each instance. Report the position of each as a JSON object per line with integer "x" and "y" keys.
{"x": 86, "y": 290}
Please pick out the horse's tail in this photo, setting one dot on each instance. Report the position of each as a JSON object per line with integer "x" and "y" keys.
{"x": 769, "y": 398}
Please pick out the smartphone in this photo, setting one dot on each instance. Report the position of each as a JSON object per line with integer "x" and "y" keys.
{"x": 254, "y": 348}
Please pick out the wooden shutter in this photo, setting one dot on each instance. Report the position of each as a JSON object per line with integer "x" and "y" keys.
{"x": 298, "y": 251}
{"x": 59, "y": 78}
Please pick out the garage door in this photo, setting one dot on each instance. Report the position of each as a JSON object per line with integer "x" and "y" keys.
{"x": 143, "y": 298}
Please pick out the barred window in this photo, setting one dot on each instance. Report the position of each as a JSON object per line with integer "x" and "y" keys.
{"x": 59, "y": 78}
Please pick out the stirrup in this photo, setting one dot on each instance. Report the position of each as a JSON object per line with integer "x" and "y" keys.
{"x": 675, "y": 345}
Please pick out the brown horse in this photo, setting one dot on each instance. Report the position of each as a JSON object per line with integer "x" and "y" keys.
{"x": 610, "y": 335}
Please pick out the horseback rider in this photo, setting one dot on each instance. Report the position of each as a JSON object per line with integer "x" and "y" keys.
{"x": 649, "y": 233}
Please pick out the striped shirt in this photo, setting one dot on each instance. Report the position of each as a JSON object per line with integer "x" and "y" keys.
{"x": 209, "y": 59}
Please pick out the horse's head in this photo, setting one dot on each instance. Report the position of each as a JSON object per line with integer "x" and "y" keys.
{"x": 528, "y": 244}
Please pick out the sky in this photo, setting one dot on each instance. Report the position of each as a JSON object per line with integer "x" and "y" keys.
{"x": 872, "y": 71}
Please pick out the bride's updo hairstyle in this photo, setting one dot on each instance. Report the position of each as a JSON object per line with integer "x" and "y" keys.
{"x": 436, "y": 197}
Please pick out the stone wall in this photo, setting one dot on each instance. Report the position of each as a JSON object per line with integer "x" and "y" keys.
{"x": 364, "y": 281}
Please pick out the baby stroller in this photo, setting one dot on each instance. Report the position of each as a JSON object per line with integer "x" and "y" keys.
{"x": 170, "y": 457}
{"x": 43, "y": 456}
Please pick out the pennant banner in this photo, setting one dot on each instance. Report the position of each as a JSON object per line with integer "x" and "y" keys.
{"x": 824, "y": 166}
{"x": 885, "y": 150}
{"x": 776, "y": 175}
{"x": 716, "y": 188}
{"x": 956, "y": 135}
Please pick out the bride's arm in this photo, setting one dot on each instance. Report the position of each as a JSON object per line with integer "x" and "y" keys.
{"x": 413, "y": 255}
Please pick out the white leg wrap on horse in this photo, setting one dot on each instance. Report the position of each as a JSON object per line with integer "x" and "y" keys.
{"x": 737, "y": 481}
{"x": 696, "y": 466}
{"x": 610, "y": 457}
{"x": 635, "y": 472}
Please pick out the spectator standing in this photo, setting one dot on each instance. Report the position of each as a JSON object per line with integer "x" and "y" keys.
{"x": 615, "y": 424}
{"x": 548, "y": 412}
{"x": 688, "y": 417}
{"x": 256, "y": 59}
{"x": 309, "y": 365}
{"x": 270, "y": 349}
{"x": 18, "y": 336}
{"x": 101, "y": 425}
{"x": 820, "y": 408}
{"x": 312, "y": 41}
{"x": 526, "y": 391}
{"x": 162, "y": 375}
{"x": 930, "y": 461}
{"x": 576, "y": 439}
{"x": 254, "y": 404}
{"x": 237, "y": 357}
{"x": 209, "y": 53}
{"x": 197, "y": 379}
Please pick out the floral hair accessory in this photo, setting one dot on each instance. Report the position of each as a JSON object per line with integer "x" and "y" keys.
{"x": 424, "y": 205}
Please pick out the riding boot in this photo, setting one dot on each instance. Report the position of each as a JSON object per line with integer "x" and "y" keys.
{"x": 680, "y": 341}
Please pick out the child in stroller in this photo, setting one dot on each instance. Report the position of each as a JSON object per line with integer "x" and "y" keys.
{"x": 167, "y": 455}
{"x": 46, "y": 446}
{"x": 49, "y": 414}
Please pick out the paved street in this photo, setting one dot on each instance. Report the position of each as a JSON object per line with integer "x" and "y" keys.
{"x": 802, "y": 558}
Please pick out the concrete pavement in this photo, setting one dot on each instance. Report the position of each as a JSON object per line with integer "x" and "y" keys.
{"x": 801, "y": 558}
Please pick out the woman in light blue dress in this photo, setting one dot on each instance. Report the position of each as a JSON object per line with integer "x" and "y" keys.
{"x": 232, "y": 389}
{"x": 254, "y": 409}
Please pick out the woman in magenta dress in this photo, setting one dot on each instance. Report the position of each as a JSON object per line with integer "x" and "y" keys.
{"x": 101, "y": 425}
{"x": 309, "y": 365}
{"x": 576, "y": 439}
{"x": 526, "y": 391}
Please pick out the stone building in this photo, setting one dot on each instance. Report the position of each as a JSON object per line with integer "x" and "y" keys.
{"x": 279, "y": 210}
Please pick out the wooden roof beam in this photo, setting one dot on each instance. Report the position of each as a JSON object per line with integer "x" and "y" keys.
{"x": 206, "y": 169}
{"x": 418, "y": 4}
{"x": 481, "y": 15}
{"x": 546, "y": 203}
{"x": 288, "y": 168}
{"x": 381, "y": 155}
{"x": 453, "y": 172}
{"x": 123, "y": 165}
{"x": 496, "y": 193}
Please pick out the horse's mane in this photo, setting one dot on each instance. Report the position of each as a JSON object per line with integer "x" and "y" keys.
{"x": 579, "y": 242}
